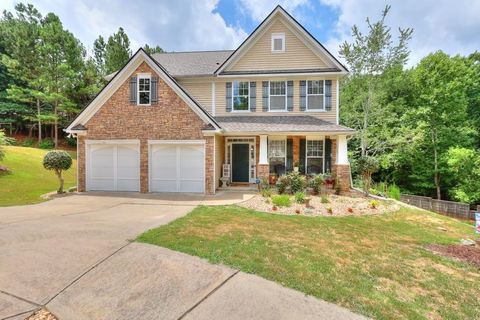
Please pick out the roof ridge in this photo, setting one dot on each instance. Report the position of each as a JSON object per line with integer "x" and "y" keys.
{"x": 196, "y": 51}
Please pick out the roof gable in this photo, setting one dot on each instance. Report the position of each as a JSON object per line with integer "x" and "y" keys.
{"x": 255, "y": 52}
{"x": 120, "y": 77}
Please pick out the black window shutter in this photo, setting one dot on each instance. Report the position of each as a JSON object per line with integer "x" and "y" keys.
{"x": 264, "y": 95}
{"x": 290, "y": 95}
{"x": 133, "y": 90}
{"x": 302, "y": 165}
{"x": 253, "y": 96}
{"x": 328, "y": 155}
{"x": 154, "y": 90}
{"x": 289, "y": 155}
{"x": 328, "y": 95}
{"x": 228, "y": 105}
{"x": 303, "y": 95}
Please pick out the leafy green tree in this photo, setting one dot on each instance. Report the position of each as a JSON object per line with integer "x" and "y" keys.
{"x": 369, "y": 57}
{"x": 152, "y": 50}
{"x": 99, "y": 55}
{"x": 117, "y": 51}
{"x": 464, "y": 164}
{"x": 58, "y": 161}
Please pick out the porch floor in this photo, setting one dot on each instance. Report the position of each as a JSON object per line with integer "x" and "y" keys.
{"x": 238, "y": 186}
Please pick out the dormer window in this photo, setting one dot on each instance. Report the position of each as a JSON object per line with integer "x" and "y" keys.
{"x": 278, "y": 42}
{"x": 144, "y": 89}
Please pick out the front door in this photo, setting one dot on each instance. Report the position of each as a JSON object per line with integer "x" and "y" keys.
{"x": 240, "y": 162}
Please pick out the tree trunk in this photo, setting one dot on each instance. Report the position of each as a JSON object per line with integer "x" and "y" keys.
{"x": 436, "y": 174}
{"x": 39, "y": 122}
{"x": 55, "y": 133}
{"x": 60, "y": 180}
{"x": 366, "y": 109}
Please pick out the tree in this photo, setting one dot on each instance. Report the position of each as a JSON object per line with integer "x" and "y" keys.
{"x": 99, "y": 55}
{"x": 367, "y": 166}
{"x": 368, "y": 58}
{"x": 464, "y": 164}
{"x": 117, "y": 51}
{"x": 57, "y": 161}
{"x": 152, "y": 50}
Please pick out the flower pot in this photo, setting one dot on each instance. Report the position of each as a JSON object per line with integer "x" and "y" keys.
{"x": 272, "y": 179}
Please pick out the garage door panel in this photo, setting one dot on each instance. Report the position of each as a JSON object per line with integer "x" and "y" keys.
{"x": 191, "y": 186}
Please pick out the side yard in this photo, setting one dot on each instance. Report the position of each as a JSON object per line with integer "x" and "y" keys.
{"x": 376, "y": 265}
{"x": 27, "y": 179}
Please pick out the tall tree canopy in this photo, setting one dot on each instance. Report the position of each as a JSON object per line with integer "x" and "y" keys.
{"x": 117, "y": 51}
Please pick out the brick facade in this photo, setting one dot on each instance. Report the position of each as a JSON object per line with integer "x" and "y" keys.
{"x": 342, "y": 172}
{"x": 170, "y": 119}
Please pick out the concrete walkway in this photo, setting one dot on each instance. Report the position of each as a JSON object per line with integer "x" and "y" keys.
{"x": 73, "y": 255}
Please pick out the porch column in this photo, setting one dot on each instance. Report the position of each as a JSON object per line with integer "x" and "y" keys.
{"x": 263, "y": 168}
{"x": 342, "y": 165}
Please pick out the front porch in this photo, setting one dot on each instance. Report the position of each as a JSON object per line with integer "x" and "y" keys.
{"x": 245, "y": 160}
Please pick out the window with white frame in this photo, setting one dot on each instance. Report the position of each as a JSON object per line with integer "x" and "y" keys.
{"x": 278, "y": 42}
{"x": 315, "y": 95}
{"x": 315, "y": 156}
{"x": 144, "y": 89}
{"x": 278, "y": 96}
{"x": 277, "y": 155}
{"x": 240, "y": 96}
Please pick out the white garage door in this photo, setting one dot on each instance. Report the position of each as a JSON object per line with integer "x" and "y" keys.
{"x": 113, "y": 167}
{"x": 177, "y": 168}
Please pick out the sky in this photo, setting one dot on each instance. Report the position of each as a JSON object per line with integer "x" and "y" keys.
{"x": 188, "y": 25}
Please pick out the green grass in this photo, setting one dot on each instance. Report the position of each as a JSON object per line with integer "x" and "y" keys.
{"x": 28, "y": 179}
{"x": 374, "y": 265}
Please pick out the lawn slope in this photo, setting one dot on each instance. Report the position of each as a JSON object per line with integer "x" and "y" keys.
{"x": 28, "y": 179}
{"x": 374, "y": 265}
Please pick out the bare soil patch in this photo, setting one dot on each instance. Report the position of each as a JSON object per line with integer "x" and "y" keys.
{"x": 469, "y": 254}
{"x": 338, "y": 205}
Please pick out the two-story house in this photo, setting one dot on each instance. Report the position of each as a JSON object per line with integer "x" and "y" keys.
{"x": 169, "y": 122}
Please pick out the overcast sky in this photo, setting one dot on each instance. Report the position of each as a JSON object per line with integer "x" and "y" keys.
{"x": 451, "y": 26}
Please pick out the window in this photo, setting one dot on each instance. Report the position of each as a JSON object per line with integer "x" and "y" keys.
{"x": 315, "y": 156}
{"x": 240, "y": 96}
{"x": 315, "y": 95}
{"x": 143, "y": 89}
{"x": 277, "y": 154}
{"x": 278, "y": 96}
{"x": 278, "y": 42}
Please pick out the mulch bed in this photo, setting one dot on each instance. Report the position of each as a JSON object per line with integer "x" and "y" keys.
{"x": 42, "y": 314}
{"x": 464, "y": 253}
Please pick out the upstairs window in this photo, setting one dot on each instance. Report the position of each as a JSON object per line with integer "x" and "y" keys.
{"x": 278, "y": 42}
{"x": 315, "y": 95}
{"x": 144, "y": 89}
{"x": 278, "y": 96}
{"x": 240, "y": 96}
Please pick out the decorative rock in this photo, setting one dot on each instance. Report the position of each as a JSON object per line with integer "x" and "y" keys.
{"x": 467, "y": 242}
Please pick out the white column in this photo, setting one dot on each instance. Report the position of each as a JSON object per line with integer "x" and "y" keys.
{"x": 342, "y": 150}
{"x": 263, "y": 150}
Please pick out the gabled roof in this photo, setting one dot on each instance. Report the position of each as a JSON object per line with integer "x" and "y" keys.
{"x": 305, "y": 35}
{"x": 121, "y": 76}
{"x": 193, "y": 63}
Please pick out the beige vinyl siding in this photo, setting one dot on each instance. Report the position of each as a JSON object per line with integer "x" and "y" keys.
{"x": 219, "y": 158}
{"x": 200, "y": 90}
{"x": 260, "y": 57}
{"x": 220, "y": 99}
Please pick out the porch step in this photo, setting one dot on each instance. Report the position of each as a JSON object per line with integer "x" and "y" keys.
{"x": 249, "y": 187}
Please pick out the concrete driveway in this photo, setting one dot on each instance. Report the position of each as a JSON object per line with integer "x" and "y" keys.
{"x": 73, "y": 255}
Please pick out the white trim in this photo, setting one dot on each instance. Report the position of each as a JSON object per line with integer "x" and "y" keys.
{"x": 149, "y": 77}
{"x": 283, "y": 75}
{"x": 251, "y": 141}
{"x": 120, "y": 79}
{"x": 277, "y": 95}
{"x": 197, "y": 142}
{"x": 337, "y": 101}
{"x": 289, "y": 133}
{"x": 213, "y": 99}
{"x": 276, "y": 36}
{"x": 307, "y": 95}
{"x": 113, "y": 141}
{"x": 295, "y": 28}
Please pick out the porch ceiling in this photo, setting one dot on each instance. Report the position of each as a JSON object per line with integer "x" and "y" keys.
{"x": 258, "y": 124}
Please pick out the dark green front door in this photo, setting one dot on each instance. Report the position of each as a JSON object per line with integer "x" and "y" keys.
{"x": 240, "y": 162}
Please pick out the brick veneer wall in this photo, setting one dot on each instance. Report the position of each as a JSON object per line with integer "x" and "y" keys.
{"x": 170, "y": 119}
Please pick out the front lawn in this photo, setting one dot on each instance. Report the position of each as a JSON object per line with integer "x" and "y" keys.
{"x": 373, "y": 265}
{"x": 28, "y": 179}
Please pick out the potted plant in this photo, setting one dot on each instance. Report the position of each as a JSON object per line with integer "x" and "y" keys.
{"x": 272, "y": 178}
{"x": 295, "y": 166}
{"x": 329, "y": 179}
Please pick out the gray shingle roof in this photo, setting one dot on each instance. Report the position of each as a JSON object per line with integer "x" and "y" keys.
{"x": 279, "y": 124}
{"x": 195, "y": 63}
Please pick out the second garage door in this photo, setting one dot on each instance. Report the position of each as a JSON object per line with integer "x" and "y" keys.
{"x": 177, "y": 167}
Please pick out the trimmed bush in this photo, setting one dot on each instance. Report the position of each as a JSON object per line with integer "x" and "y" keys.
{"x": 281, "y": 200}
{"x": 316, "y": 182}
{"x": 282, "y": 184}
{"x": 46, "y": 144}
{"x": 71, "y": 142}
{"x": 296, "y": 181}
{"x": 57, "y": 161}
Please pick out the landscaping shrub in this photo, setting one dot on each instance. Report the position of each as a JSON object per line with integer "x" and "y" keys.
{"x": 324, "y": 199}
{"x": 71, "y": 142}
{"x": 296, "y": 181}
{"x": 57, "y": 161}
{"x": 29, "y": 142}
{"x": 393, "y": 192}
{"x": 300, "y": 197}
{"x": 374, "y": 204}
{"x": 316, "y": 182}
{"x": 281, "y": 200}
{"x": 266, "y": 192}
{"x": 47, "y": 144}
{"x": 282, "y": 184}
